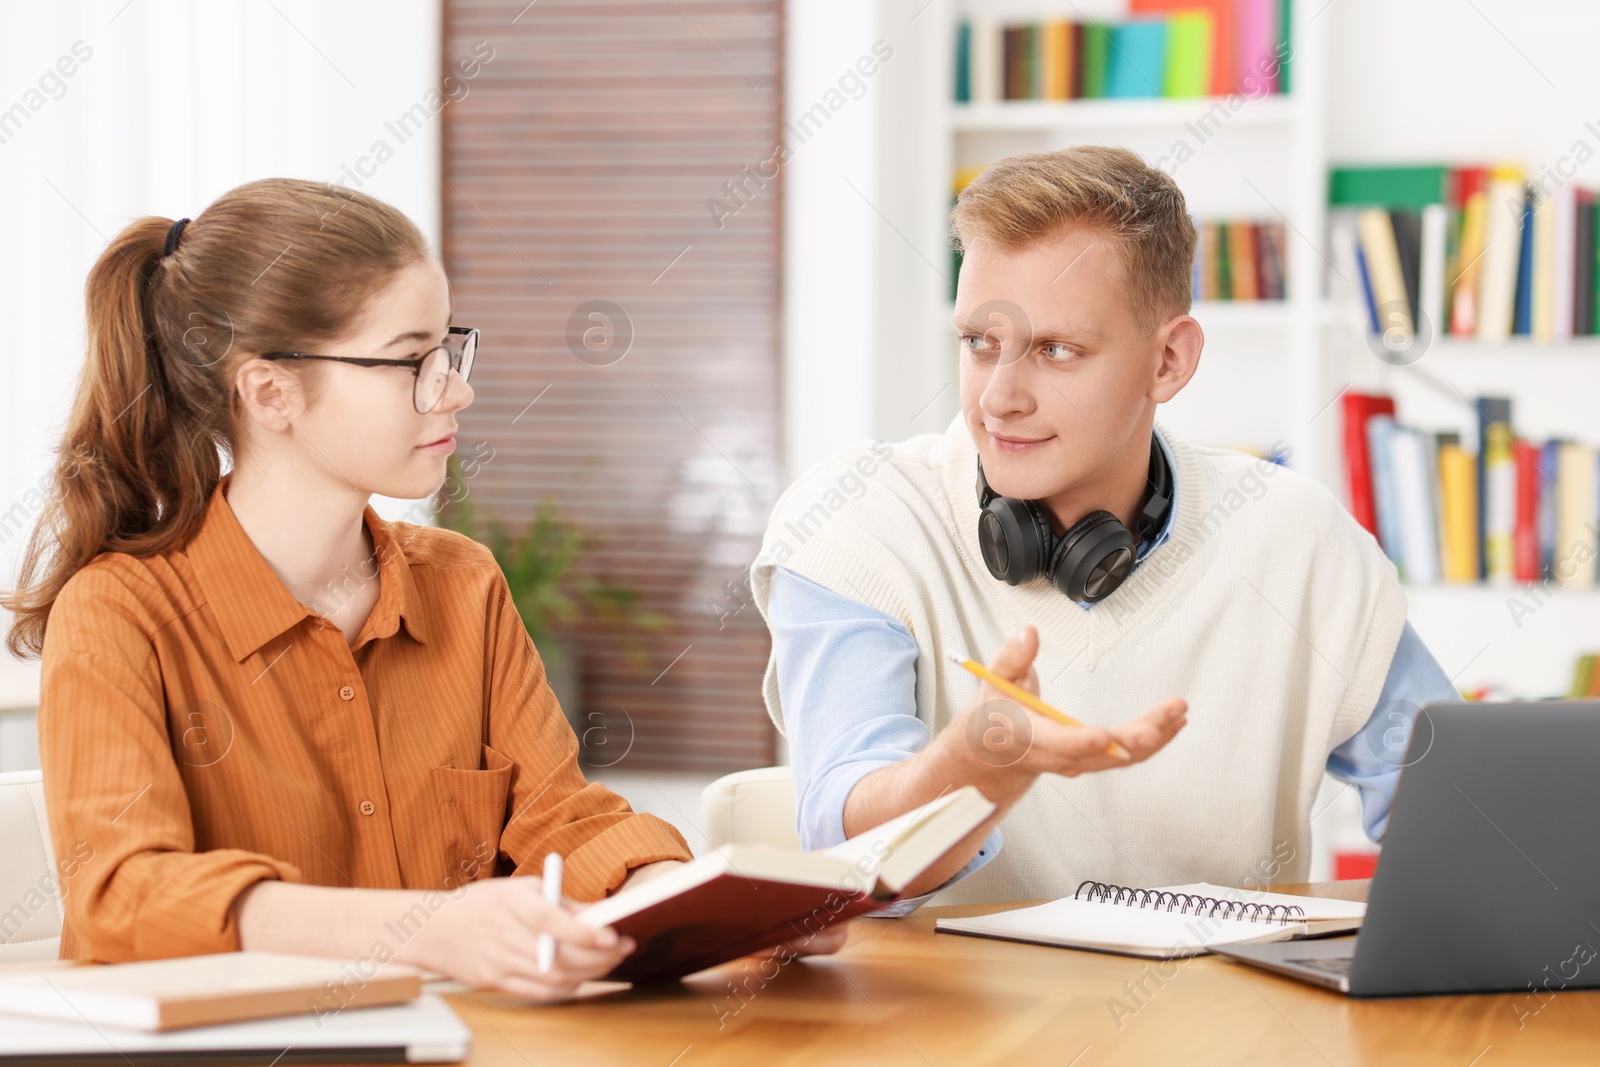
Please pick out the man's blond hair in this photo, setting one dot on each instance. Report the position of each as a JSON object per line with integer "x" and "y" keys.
{"x": 1110, "y": 191}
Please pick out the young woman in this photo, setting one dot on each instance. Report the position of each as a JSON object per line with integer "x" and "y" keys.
{"x": 269, "y": 719}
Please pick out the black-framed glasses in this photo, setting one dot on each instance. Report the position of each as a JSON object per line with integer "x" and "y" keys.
{"x": 432, "y": 370}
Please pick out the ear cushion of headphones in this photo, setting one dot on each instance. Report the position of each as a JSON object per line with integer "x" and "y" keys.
{"x": 1092, "y": 557}
{"x": 1014, "y": 536}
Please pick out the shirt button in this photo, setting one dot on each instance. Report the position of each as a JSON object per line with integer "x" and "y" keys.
{"x": 347, "y": 692}
{"x": 367, "y": 807}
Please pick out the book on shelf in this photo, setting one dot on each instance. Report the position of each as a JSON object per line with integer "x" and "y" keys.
{"x": 744, "y": 898}
{"x": 1239, "y": 259}
{"x": 1464, "y": 251}
{"x": 1513, "y": 510}
{"x": 1585, "y": 677}
{"x": 1497, "y": 287}
{"x": 1358, "y": 409}
{"x": 1164, "y": 49}
{"x": 1497, "y": 487}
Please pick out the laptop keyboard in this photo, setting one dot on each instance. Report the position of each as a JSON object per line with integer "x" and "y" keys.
{"x": 1334, "y": 965}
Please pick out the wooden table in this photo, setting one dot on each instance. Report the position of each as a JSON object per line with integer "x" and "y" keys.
{"x": 900, "y": 994}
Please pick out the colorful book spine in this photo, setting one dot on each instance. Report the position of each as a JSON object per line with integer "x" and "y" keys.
{"x": 1096, "y": 58}
{"x": 1525, "y": 538}
{"x": 1458, "y": 490}
{"x": 1358, "y": 410}
{"x": 1258, "y": 43}
{"x": 1472, "y": 191}
{"x": 963, "y": 72}
{"x": 1518, "y": 510}
{"x": 1164, "y": 48}
{"x": 1137, "y": 61}
{"x": 1188, "y": 54}
{"x": 1497, "y": 285}
{"x": 1242, "y": 261}
{"x": 1496, "y": 486}
{"x": 1380, "y": 428}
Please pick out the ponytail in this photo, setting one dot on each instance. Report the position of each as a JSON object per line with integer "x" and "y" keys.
{"x": 275, "y": 264}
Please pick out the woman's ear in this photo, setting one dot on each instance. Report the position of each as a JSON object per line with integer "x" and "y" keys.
{"x": 1179, "y": 342}
{"x": 267, "y": 394}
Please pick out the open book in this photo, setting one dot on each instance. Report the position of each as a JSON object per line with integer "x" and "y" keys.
{"x": 744, "y": 898}
{"x": 1165, "y": 923}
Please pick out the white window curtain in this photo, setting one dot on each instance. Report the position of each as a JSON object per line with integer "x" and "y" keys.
{"x": 111, "y": 110}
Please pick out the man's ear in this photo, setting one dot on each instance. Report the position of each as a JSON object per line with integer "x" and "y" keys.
{"x": 268, "y": 394}
{"x": 1178, "y": 342}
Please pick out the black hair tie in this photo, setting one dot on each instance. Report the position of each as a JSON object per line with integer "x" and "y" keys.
{"x": 174, "y": 232}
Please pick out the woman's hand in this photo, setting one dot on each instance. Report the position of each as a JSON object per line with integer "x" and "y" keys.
{"x": 487, "y": 936}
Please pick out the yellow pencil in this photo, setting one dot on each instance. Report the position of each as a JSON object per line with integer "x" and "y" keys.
{"x": 1025, "y": 698}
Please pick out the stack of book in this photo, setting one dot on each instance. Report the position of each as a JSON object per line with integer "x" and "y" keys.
{"x": 1502, "y": 509}
{"x": 1170, "y": 48}
{"x": 1467, "y": 251}
{"x": 1239, "y": 260}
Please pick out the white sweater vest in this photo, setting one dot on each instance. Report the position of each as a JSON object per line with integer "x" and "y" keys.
{"x": 1269, "y": 609}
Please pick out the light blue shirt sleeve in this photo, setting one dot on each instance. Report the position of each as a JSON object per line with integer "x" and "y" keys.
{"x": 847, "y": 680}
{"x": 1374, "y": 757}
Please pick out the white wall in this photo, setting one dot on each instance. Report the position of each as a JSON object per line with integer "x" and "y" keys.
{"x": 176, "y": 103}
{"x": 831, "y": 244}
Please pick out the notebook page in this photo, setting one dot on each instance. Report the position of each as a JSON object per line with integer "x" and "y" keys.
{"x": 1114, "y": 928}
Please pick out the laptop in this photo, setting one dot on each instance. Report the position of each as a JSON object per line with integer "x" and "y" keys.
{"x": 1490, "y": 876}
{"x": 424, "y": 1030}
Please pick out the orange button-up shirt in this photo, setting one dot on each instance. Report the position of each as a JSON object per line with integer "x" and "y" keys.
{"x": 201, "y": 730}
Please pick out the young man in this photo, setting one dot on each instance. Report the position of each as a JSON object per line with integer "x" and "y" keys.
{"x": 1099, "y": 562}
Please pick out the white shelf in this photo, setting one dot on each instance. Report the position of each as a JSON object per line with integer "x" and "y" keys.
{"x": 1468, "y": 346}
{"x": 1353, "y": 321}
{"x": 1153, "y": 113}
{"x": 1230, "y": 314}
{"x": 1477, "y": 594}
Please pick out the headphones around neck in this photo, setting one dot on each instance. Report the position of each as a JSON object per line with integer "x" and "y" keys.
{"x": 1089, "y": 560}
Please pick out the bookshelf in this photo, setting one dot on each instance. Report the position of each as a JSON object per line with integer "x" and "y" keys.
{"x": 1288, "y": 361}
{"x": 1264, "y": 159}
{"x": 1272, "y": 370}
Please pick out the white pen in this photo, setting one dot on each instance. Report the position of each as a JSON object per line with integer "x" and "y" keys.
{"x": 552, "y": 896}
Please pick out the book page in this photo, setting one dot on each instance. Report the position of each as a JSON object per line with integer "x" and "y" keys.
{"x": 890, "y": 835}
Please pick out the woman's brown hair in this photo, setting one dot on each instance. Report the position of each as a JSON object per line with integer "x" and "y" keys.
{"x": 274, "y": 265}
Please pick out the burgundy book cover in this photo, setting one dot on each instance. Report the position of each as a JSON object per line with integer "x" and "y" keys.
{"x": 728, "y": 917}
{"x": 1358, "y": 408}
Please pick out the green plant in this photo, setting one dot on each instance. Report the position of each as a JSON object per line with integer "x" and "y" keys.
{"x": 551, "y": 595}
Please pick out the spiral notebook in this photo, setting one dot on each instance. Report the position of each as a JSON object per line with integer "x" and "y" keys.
{"x": 1165, "y": 923}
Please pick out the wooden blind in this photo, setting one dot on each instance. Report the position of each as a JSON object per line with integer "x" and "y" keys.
{"x": 629, "y": 368}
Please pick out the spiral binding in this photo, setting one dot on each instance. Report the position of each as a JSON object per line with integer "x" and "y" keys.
{"x": 1249, "y": 911}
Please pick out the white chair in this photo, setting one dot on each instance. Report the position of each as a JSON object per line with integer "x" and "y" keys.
{"x": 30, "y": 895}
{"x": 751, "y": 807}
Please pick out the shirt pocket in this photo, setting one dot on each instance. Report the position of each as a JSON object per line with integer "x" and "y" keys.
{"x": 472, "y": 814}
